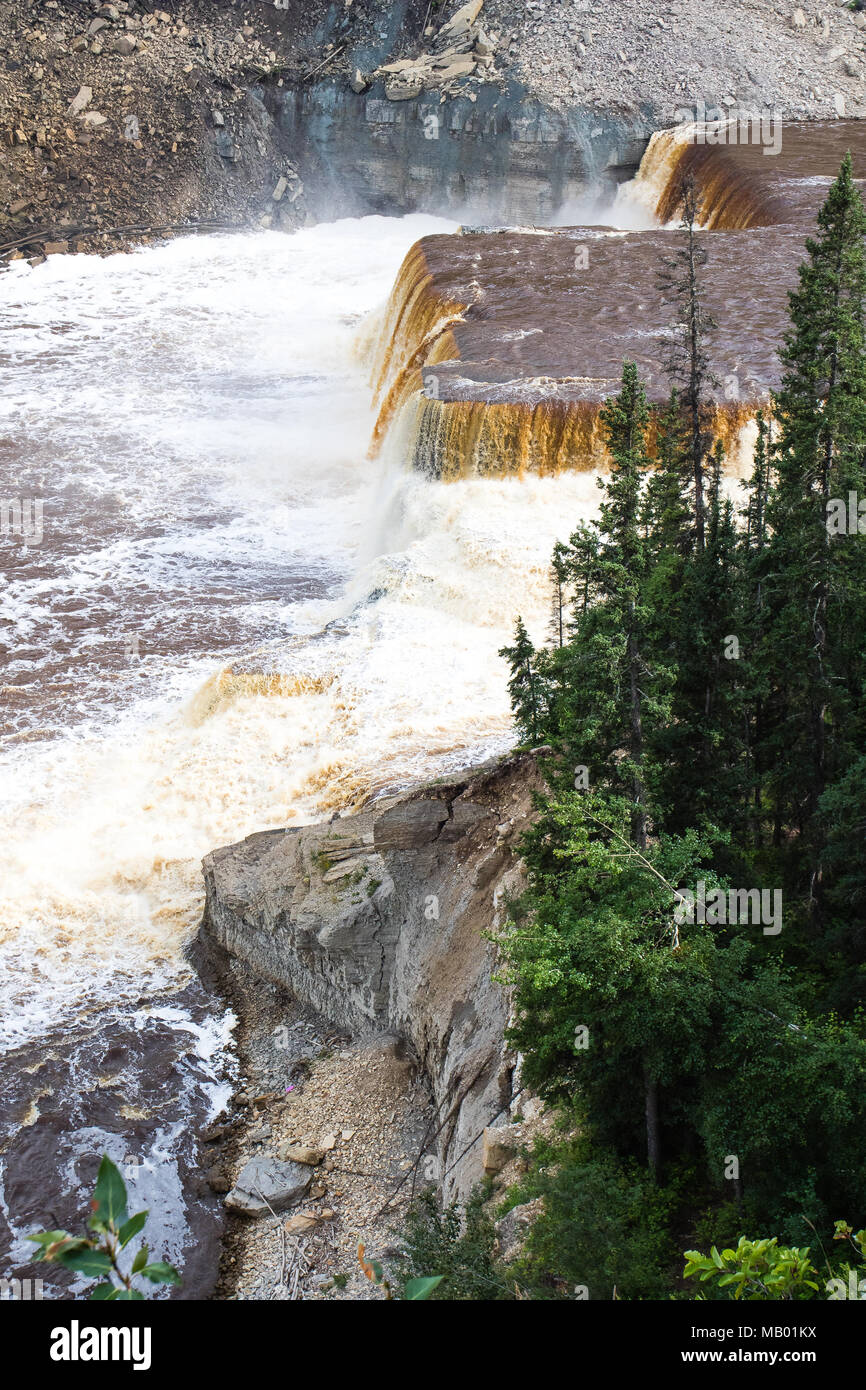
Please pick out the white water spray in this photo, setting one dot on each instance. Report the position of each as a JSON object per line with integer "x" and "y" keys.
{"x": 312, "y": 626}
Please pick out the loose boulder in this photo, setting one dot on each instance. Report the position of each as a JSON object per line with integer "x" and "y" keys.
{"x": 410, "y": 824}
{"x": 302, "y": 1153}
{"x": 266, "y": 1184}
{"x": 500, "y": 1144}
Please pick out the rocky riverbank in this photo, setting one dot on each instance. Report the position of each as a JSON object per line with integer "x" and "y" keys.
{"x": 121, "y": 121}
{"x": 371, "y": 1035}
{"x": 315, "y": 1153}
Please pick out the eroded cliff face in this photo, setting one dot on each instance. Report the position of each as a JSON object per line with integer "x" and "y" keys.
{"x": 503, "y": 155}
{"x": 378, "y": 921}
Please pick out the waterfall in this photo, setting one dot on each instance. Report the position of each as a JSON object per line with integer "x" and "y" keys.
{"x": 731, "y": 197}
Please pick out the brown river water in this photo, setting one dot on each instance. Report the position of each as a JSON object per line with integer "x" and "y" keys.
{"x": 517, "y": 336}
{"x": 230, "y": 618}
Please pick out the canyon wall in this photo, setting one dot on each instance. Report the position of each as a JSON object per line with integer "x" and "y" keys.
{"x": 123, "y": 121}
{"x": 502, "y": 156}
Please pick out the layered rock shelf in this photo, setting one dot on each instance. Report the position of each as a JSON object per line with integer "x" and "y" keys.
{"x": 377, "y": 920}
{"x": 499, "y": 346}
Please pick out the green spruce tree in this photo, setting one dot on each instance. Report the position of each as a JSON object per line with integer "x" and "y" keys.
{"x": 815, "y": 582}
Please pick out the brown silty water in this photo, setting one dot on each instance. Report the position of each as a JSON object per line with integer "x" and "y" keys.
{"x": 193, "y": 447}
{"x": 199, "y": 447}
{"x": 498, "y": 347}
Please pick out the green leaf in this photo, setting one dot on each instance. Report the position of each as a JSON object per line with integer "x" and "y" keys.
{"x": 49, "y": 1237}
{"x": 109, "y": 1196}
{"x": 103, "y": 1292}
{"x": 140, "y": 1260}
{"x": 131, "y": 1227}
{"x": 161, "y": 1273}
{"x": 416, "y": 1289}
{"x": 91, "y": 1262}
{"x": 126, "y": 1295}
{"x": 45, "y": 1239}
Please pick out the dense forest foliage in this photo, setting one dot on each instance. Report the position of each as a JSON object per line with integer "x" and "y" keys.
{"x": 688, "y": 957}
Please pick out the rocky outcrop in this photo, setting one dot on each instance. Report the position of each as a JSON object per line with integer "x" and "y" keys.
{"x": 460, "y": 49}
{"x": 378, "y": 921}
{"x": 119, "y": 121}
{"x": 492, "y": 147}
{"x": 197, "y": 113}
{"x": 513, "y": 1228}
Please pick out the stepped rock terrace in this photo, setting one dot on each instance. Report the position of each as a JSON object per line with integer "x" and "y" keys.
{"x": 498, "y": 346}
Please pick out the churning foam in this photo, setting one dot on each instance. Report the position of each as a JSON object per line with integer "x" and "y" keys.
{"x": 209, "y": 394}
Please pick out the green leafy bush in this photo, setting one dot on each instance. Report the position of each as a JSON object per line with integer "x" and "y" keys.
{"x": 756, "y": 1270}
{"x": 457, "y": 1241}
{"x": 760, "y": 1270}
{"x": 603, "y": 1227}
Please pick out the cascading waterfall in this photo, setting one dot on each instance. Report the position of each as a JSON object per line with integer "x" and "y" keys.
{"x": 235, "y": 621}
{"x": 453, "y": 424}
{"x": 731, "y": 197}
{"x": 206, "y": 489}
{"x": 238, "y": 619}
{"x": 461, "y": 439}
{"x": 496, "y": 350}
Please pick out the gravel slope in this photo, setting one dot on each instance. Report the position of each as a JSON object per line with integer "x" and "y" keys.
{"x": 672, "y": 53}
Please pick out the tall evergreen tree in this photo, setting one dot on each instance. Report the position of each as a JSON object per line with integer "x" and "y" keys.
{"x": 560, "y": 574}
{"x": 525, "y": 686}
{"x": 815, "y": 582}
{"x": 609, "y": 682}
{"x": 667, "y": 514}
{"x": 712, "y": 675}
{"x": 688, "y": 362}
{"x": 700, "y": 750}
{"x": 625, "y": 418}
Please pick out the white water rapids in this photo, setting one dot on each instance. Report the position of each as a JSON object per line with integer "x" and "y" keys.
{"x": 196, "y": 418}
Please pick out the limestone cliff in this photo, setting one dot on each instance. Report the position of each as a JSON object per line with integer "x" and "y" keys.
{"x": 377, "y": 920}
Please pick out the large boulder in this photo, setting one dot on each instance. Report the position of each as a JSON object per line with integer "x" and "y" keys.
{"x": 514, "y": 1227}
{"x": 267, "y": 1184}
{"x": 410, "y": 824}
{"x": 462, "y": 20}
{"x": 460, "y": 65}
{"x": 499, "y": 1146}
